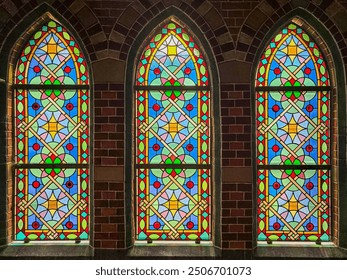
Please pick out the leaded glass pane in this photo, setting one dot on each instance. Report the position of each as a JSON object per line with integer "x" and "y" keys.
{"x": 293, "y": 140}
{"x": 292, "y": 59}
{"x": 52, "y": 56}
{"x": 172, "y": 58}
{"x": 52, "y": 138}
{"x": 293, "y": 205}
{"x": 52, "y": 204}
{"x": 173, "y": 196}
{"x": 52, "y": 128}
{"x": 173, "y": 204}
{"x": 173, "y": 128}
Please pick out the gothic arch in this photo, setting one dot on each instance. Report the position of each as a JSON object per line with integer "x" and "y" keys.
{"x": 332, "y": 56}
{"x": 11, "y": 52}
{"x": 133, "y": 59}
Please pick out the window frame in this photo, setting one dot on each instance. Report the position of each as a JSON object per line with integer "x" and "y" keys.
{"x": 338, "y": 142}
{"x": 10, "y": 53}
{"x": 266, "y": 91}
{"x": 199, "y": 167}
{"x": 133, "y": 57}
{"x": 26, "y": 87}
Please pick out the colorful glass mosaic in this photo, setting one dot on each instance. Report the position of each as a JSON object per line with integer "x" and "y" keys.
{"x": 292, "y": 59}
{"x": 293, "y": 140}
{"x": 173, "y": 197}
{"x": 52, "y": 57}
{"x": 52, "y": 138}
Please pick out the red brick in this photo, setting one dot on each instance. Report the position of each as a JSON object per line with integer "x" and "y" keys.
{"x": 101, "y": 235}
{"x": 100, "y": 152}
{"x": 226, "y": 220}
{"x": 120, "y": 211}
{"x": 108, "y": 111}
{"x": 120, "y": 195}
{"x": 109, "y": 228}
{"x": 237, "y": 112}
{"x": 244, "y": 220}
{"x": 236, "y": 145}
{"x": 108, "y": 127}
{"x": 244, "y": 204}
{"x": 237, "y": 245}
{"x": 236, "y": 196}
{"x": 108, "y": 195}
{"x": 101, "y": 220}
{"x": 116, "y": 186}
{"x": 245, "y": 236}
{"x": 225, "y": 196}
{"x": 101, "y": 186}
{"x": 116, "y": 220}
{"x": 237, "y": 212}
{"x": 116, "y": 203}
{"x": 100, "y": 203}
{"x": 228, "y": 204}
{"x": 229, "y": 236}
{"x": 236, "y": 162}
{"x": 236, "y": 228}
{"x": 108, "y": 144}
{"x": 108, "y": 95}
{"x": 108, "y": 244}
{"x": 108, "y": 161}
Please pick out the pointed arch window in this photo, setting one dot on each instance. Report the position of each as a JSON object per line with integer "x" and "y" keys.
{"x": 172, "y": 139}
{"x": 51, "y": 138}
{"x": 293, "y": 139}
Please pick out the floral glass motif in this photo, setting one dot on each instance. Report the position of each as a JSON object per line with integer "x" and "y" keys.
{"x": 293, "y": 139}
{"x": 51, "y": 138}
{"x": 173, "y": 197}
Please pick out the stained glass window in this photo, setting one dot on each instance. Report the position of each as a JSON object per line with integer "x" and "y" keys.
{"x": 51, "y": 138}
{"x": 172, "y": 164}
{"x": 293, "y": 139}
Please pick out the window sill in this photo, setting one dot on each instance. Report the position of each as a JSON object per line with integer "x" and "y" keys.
{"x": 174, "y": 250}
{"x": 299, "y": 252}
{"x": 51, "y": 251}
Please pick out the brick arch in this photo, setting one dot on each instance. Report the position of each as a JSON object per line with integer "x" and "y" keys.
{"x": 269, "y": 13}
{"x": 203, "y": 13}
{"x": 78, "y": 17}
{"x": 329, "y": 37}
{"x": 17, "y": 36}
{"x": 21, "y": 31}
{"x": 131, "y": 64}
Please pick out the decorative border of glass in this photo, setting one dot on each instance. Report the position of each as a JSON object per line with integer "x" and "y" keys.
{"x": 173, "y": 196}
{"x": 293, "y": 140}
{"x": 51, "y": 134}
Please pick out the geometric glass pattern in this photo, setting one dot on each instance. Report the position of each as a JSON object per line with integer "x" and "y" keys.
{"x": 172, "y": 145}
{"x": 51, "y": 171}
{"x": 293, "y": 140}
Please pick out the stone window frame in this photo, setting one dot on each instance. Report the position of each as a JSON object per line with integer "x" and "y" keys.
{"x": 10, "y": 52}
{"x": 174, "y": 249}
{"x": 328, "y": 46}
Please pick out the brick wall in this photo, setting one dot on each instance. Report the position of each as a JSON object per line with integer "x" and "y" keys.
{"x": 234, "y": 30}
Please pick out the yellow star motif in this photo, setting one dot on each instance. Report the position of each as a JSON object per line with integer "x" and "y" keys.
{"x": 52, "y": 204}
{"x": 173, "y": 127}
{"x": 52, "y": 48}
{"x": 172, "y": 50}
{"x": 52, "y": 126}
{"x": 292, "y": 49}
{"x": 292, "y": 128}
{"x": 293, "y": 205}
{"x": 173, "y": 204}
